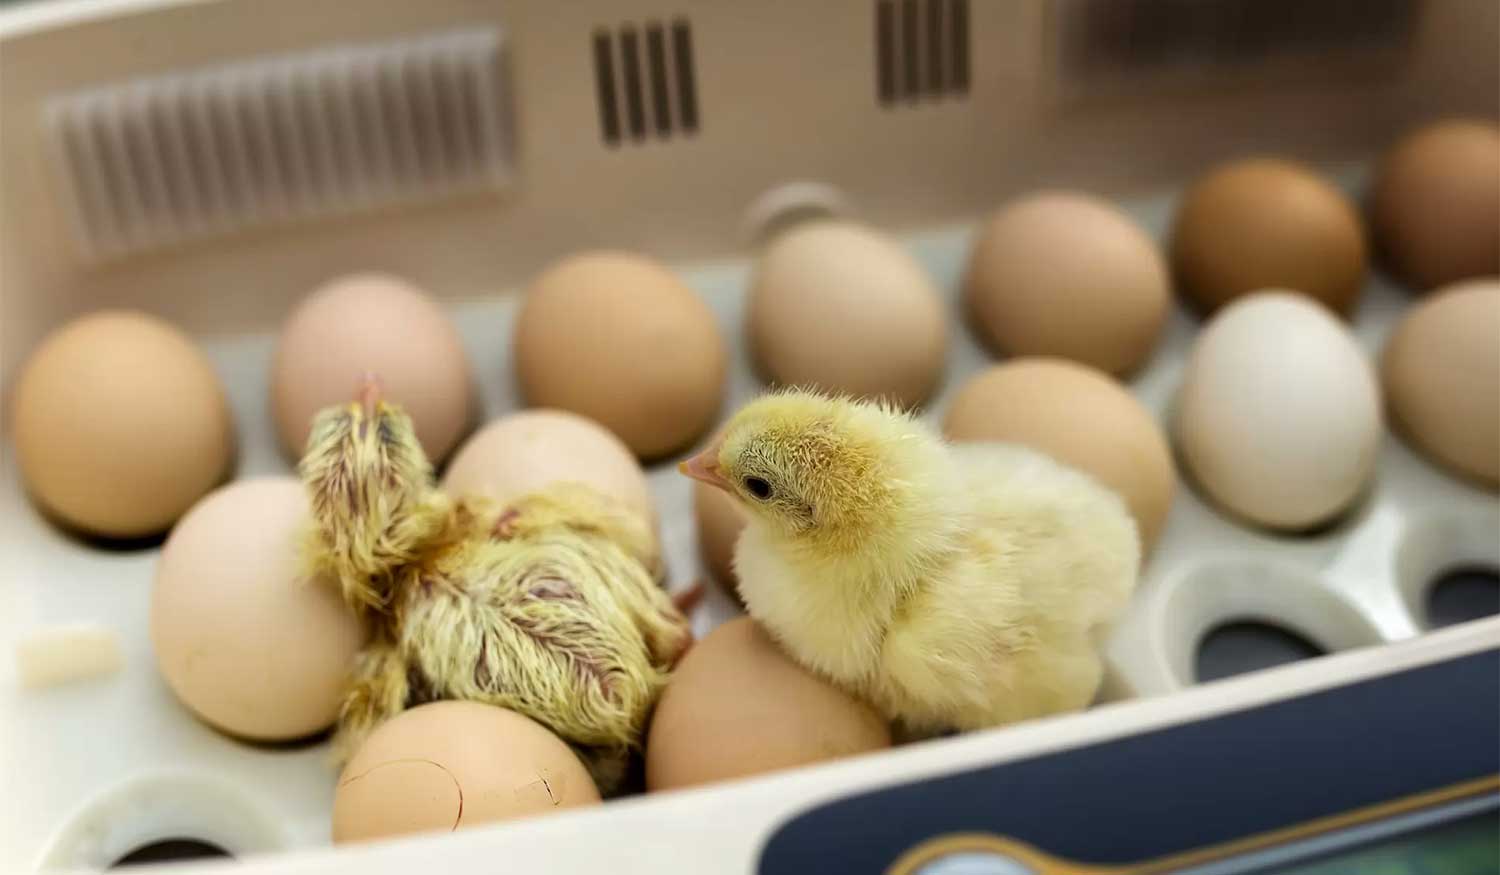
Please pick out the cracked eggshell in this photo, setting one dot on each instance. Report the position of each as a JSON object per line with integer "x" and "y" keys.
{"x": 449, "y": 765}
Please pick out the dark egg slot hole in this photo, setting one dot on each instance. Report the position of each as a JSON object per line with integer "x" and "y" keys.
{"x": 169, "y": 850}
{"x": 1462, "y": 594}
{"x": 1244, "y": 646}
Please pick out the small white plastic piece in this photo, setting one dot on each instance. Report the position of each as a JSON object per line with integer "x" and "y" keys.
{"x": 66, "y": 653}
{"x": 787, "y": 205}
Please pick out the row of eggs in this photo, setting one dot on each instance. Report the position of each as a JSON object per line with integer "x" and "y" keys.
{"x": 120, "y": 424}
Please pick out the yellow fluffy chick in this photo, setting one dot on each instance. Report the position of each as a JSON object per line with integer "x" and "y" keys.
{"x": 953, "y": 587}
{"x": 546, "y": 606}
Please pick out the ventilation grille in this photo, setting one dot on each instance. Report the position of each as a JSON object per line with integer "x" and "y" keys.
{"x": 921, "y": 50}
{"x": 177, "y": 157}
{"x": 644, "y": 82}
{"x": 1133, "y": 37}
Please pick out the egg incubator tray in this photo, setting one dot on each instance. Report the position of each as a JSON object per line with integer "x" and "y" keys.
{"x": 97, "y": 768}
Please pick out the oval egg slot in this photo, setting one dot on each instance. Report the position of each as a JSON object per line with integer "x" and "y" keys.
{"x": 1242, "y": 646}
{"x": 170, "y": 851}
{"x": 1461, "y": 594}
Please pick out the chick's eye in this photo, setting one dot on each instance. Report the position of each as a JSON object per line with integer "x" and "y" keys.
{"x": 758, "y": 488}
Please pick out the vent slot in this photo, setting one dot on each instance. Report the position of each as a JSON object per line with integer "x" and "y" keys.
{"x": 921, "y": 50}
{"x": 171, "y": 158}
{"x": 1131, "y": 38}
{"x": 645, "y": 85}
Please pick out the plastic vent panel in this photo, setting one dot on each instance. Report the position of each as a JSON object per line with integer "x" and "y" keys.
{"x": 171, "y": 158}
{"x": 644, "y": 82}
{"x": 1101, "y": 39}
{"x": 921, "y": 50}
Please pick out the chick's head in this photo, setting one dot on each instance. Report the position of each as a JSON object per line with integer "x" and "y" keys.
{"x": 368, "y": 482}
{"x": 830, "y": 468}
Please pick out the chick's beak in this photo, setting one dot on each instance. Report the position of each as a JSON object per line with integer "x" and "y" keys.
{"x": 369, "y": 392}
{"x": 704, "y": 467}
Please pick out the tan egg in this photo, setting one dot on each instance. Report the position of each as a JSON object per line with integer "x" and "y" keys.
{"x": 451, "y": 765}
{"x": 1079, "y": 416}
{"x": 523, "y": 452}
{"x": 1278, "y": 418}
{"x": 1441, "y": 374}
{"x": 1263, "y": 223}
{"x": 719, "y": 521}
{"x": 120, "y": 424}
{"x": 838, "y": 306}
{"x": 1070, "y": 275}
{"x": 243, "y": 637}
{"x": 737, "y": 706}
{"x": 1434, "y": 206}
{"x": 372, "y": 324}
{"x": 620, "y": 339}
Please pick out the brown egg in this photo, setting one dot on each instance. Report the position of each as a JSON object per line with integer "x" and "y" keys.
{"x": 838, "y": 306}
{"x": 737, "y": 706}
{"x": 1267, "y": 223}
{"x": 1441, "y": 374}
{"x": 620, "y": 339}
{"x": 120, "y": 424}
{"x": 1434, "y": 207}
{"x": 719, "y": 521}
{"x": 1070, "y": 275}
{"x": 451, "y": 765}
{"x": 371, "y": 324}
{"x": 242, "y": 636}
{"x": 1079, "y": 416}
{"x": 525, "y": 451}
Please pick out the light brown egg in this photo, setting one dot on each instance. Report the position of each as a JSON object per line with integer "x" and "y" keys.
{"x": 1435, "y": 210}
{"x": 371, "y": 324}
{"x": 620, "y": 339}
{"x": 736, "y": 706}
{"x": 1079, "y": 416}
{"x": 1267, "y": 223}
{"x": 719, "y": 521}
{"x": 242, "y": 636}
{"x": 1441, "y": 374}
{"x": 1070, "y": 275}
{"x": 523, "y": 452}
{"x": 451, "y": 765}
{"x": 838, "y": 306}
{"x": 120, "y": 424}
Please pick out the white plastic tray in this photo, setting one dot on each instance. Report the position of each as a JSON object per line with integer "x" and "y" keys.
{"x": 95, "y": 769}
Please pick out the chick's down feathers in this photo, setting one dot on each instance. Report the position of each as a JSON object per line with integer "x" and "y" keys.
{"x": 546, "y": 606}
{"x": 953, "y": 587}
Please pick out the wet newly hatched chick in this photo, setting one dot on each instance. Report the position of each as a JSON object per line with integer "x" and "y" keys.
{"x": 953, "y": 587}
{"x": 547, "y": 606}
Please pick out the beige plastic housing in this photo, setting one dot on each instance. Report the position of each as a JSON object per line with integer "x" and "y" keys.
{"x": 785, "y": 91}
{"x": 789, "y": 118}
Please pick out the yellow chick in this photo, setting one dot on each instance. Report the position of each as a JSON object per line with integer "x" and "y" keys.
{"x": 953, "y": 587}
{"x": 547, "y": 606}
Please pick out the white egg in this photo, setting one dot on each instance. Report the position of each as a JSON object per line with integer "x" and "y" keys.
{"x": 1279, "y": 413}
